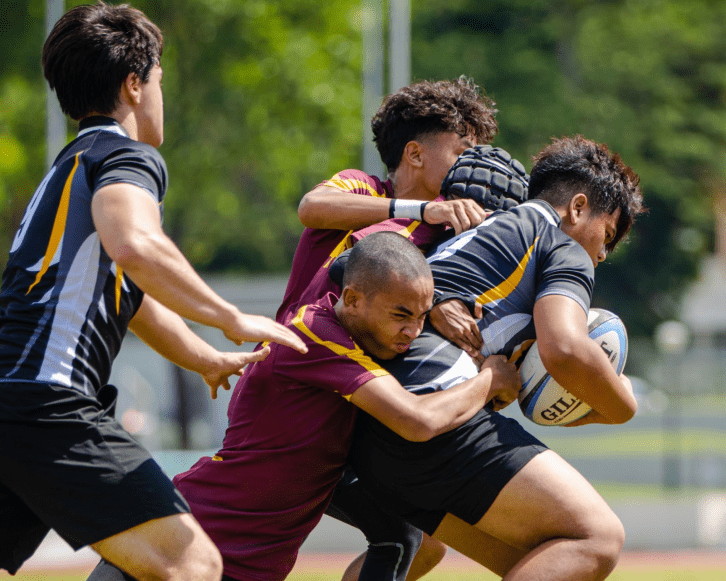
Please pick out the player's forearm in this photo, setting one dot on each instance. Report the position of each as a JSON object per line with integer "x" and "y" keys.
{"x": 333, "y": 209}
{"x": 158, "y": 267}
{"x": 588, "y": 375}
{"x": 443, "y": 411}
{"x": 169, "y": 335}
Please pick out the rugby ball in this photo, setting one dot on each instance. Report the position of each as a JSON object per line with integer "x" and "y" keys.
{"x": 546, "y": 402}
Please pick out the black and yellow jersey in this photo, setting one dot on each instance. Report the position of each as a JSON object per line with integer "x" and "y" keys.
{"x": 64, "y": 304}
{"x": 506, "y": 264}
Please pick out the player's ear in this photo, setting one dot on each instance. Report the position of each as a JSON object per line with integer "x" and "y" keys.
{"x": 131, "y": 89}
{"x": 578, "y": 207}
{"x": 351, "y": 297}
{"x": 412, "y": 154}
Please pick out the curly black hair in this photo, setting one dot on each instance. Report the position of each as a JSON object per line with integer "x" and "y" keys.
{"x": 570, "y": 165}
{"x": 427, "y": 107}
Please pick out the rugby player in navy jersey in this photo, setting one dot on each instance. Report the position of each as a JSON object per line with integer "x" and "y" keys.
{"x": 90, "y": 260}
{"x": 488, "y": 488}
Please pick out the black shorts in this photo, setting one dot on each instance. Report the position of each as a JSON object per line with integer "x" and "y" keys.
{"x": 460, "y": 472}
{"x": 67, "y": 464}
{"x": 355, "y": 506}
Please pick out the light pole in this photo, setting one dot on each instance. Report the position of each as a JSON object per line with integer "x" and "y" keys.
{"x": 55, "y": 121}
{"x": 671, "y": 338}
{"x": 399, "y": 65}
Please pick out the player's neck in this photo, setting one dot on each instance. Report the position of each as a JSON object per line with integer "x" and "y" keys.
{"x": 405, "y": 188}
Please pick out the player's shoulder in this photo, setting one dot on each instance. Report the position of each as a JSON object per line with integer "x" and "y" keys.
{"x": 114, "y": 158}
{"x": 359, "y": 182}
{"x": 538, "y": 212}
{"x": 317, "y": 322}
{"x": 110, "y": 146}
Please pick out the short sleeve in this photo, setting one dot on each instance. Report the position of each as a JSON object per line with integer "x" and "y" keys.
{"x": 567, "y": 270}
{"x": 137, "y": 164}
{"x": 355, "y": 181}
{"x": 333, "y": 361}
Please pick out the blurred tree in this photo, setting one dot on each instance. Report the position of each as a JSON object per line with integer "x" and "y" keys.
{"x": 263, "y": 102}
{"x": 644, "y": 76}
{"x": 22, "y": 112}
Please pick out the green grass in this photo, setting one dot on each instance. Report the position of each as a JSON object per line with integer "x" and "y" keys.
{"x": 629, "y": 574}
{"x": 622, "y": 575}
{"x": 638, "y": 443}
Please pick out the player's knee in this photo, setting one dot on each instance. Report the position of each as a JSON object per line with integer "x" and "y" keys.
{"x": 431, "y": 552}
{"x": 200, "y": 561}
{"x": 608, "y": 539}
{"x": 205, "y": 563}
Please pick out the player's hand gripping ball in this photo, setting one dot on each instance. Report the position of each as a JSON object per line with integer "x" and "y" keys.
{"x": 488, "y": 175}
{"x": 546, "y": 402}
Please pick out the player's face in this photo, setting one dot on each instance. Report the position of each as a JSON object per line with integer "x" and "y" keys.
{"x": 150, "y": 116}
{"x": 390, "y": 320}
{"x": 438, "y": 153}
{"x": 594, "y": 232}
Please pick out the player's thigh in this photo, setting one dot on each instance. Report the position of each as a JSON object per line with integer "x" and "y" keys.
{"x": 174, "y": 543}
{"x": 549, "y": 499}
{"x": 492, "y": 553}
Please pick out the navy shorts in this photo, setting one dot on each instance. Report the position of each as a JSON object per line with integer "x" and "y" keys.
{"x": 67, "y": 464}
{"x": 460, "y": 472}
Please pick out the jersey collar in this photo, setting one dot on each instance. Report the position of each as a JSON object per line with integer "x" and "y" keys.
{"x": 100, "y": 124}
{"x": 546, "y": 209}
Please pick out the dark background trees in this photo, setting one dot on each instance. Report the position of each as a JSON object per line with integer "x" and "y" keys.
{"x": 263, "y": 102}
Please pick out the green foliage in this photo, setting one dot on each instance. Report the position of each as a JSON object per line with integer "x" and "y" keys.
{"x": 263, "y": 102}
{"x": 644, "y": 76}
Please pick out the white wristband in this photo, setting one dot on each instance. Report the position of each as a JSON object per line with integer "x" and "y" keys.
{"x": 411, "y": 209}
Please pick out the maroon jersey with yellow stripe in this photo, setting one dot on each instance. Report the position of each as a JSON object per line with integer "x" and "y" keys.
{"x": 319, "y": 247}
{"x": 290, "y": 428}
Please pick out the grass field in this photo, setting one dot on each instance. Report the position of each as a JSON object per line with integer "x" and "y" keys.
{"x": 449, "y": 575}
{"x": 633, "y": 567}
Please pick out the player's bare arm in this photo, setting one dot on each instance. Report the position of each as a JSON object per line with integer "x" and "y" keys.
{"x": 420, "y": 418}
{"x": 577, "y": 363}
{"x": 129, "y": 225}
{"x": 167, "y": 334}
{"x": 330, "y": 208}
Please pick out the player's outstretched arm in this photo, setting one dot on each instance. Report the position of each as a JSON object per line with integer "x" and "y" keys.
{"x": 577, "y": 363}
{"x": 420, "y": 418}
{"x": 329, "y": 208}
{"x": 167, "y": 334}
{"x": 129, "y": 225}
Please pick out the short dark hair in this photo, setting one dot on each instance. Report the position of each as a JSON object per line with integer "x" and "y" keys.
{"x": 427, "y": 107}
{"x": 90, "y": 52}
{"x": 379, "y": 257}
{"x": 571, "y": 165}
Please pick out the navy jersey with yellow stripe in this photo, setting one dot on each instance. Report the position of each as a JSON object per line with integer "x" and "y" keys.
{"x": 64, "y": 304}
{"x": 506, "y": 264}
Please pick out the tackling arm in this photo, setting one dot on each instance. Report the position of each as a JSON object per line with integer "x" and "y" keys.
{"x": 129, "y": 225}
{"x": 167, "y": 334}
{"x": 330, "y": 208}
{"x": 420, "y": 418}
{"x": 577, "y": 363}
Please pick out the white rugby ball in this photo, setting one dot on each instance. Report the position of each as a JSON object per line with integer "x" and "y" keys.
{"x": 546, "y": 402}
